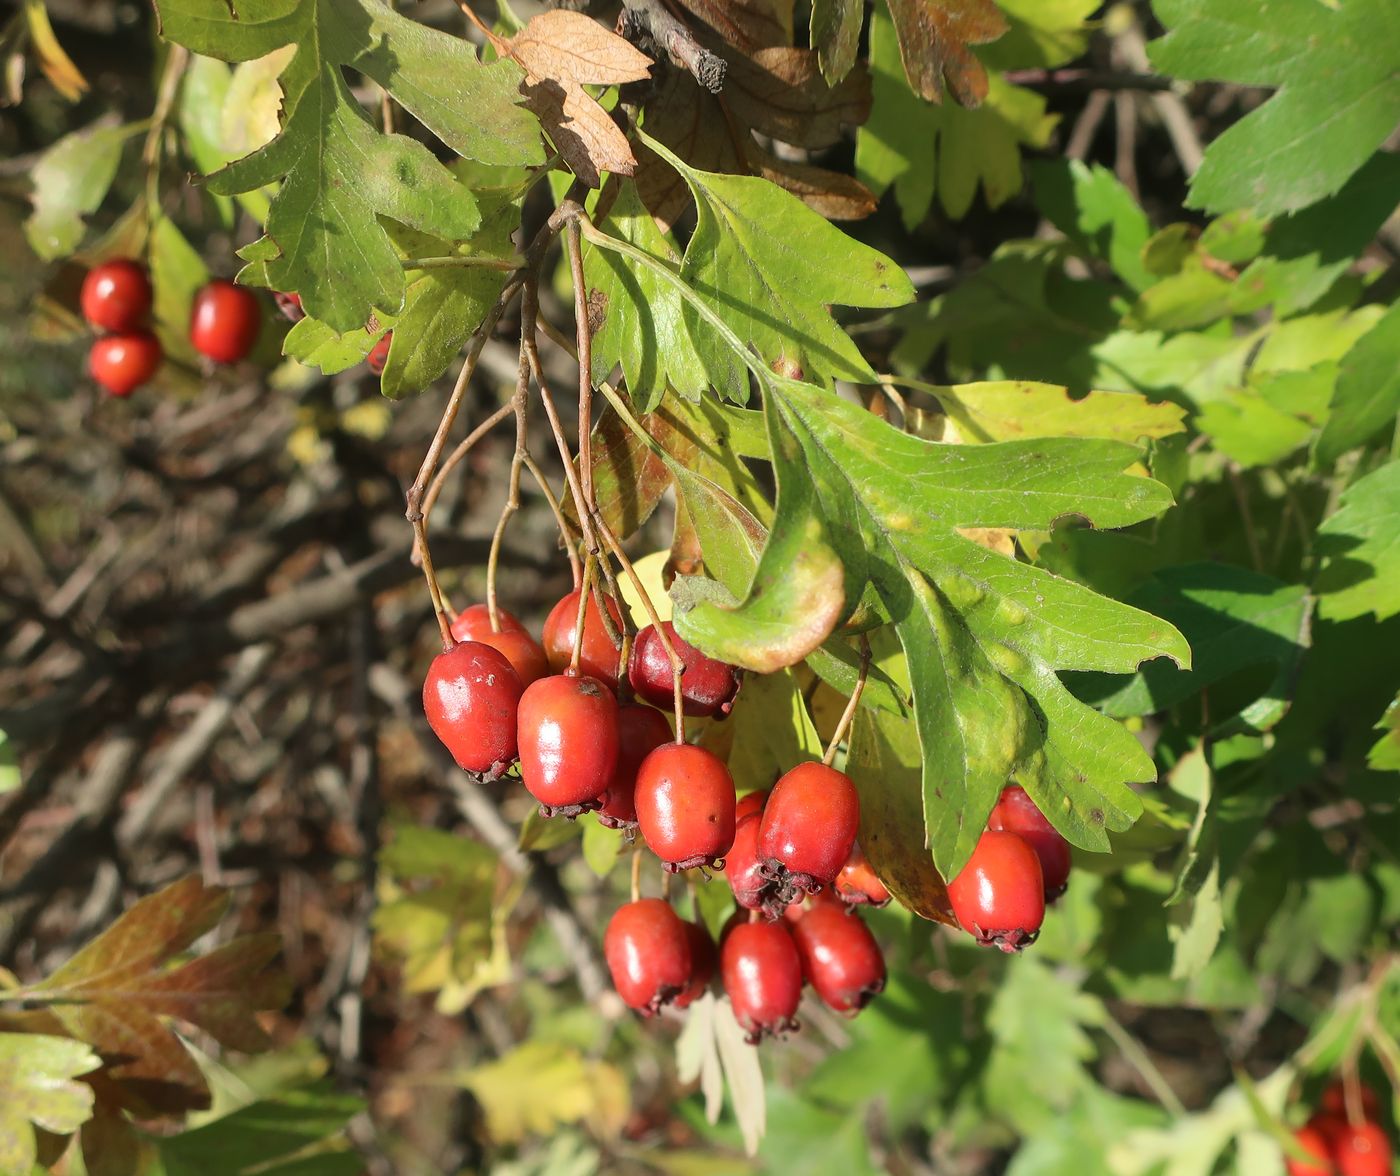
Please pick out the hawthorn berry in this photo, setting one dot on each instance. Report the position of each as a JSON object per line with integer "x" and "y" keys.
{"x": 704, "y": 960}
{"x": 762, "y": 974}
{"x": 567, "y": 729}
{"x": 122, "y": 363}
{"x": 858, "y": 884}
{"x": 1334, "y": 1101}
{"x": 809, "y": 826}
{"x": 640, "y": 731}
{"x": 707, "y": 685}
{"x": 471, "y": 696}
{"x": 1000, "y": 895}
{"x": 599, "y": 656}
{"x": 379, "y": 354}
{"x": 1312, "y": 1140}
{"x": 225, "y": 321}
{"x": 1359, "y": 1149}
{"x": 473, "y": 623}
{"x": 647, "y": 948}
{"x": 685, "y": 806}
{"x": 1017, "y": 813}
{"x": 840, "y": 957}
{"x": 523, "y": 652}
{"x": 116, "y": 295}
{"x": 289, "y": 305}
{"x": 743, "y": 869}
{"x": 750, "y": 804}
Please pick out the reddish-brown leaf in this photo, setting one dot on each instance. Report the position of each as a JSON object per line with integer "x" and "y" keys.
{"x": 934, "y": 39}
{"x": 628, "y": 477}
{"x": 781, "y": 93}
{"x": 833, "y": 194}
{"x": 748, "y": 25}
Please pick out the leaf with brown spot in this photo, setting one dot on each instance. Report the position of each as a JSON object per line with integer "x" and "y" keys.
{"x": 934, "y": 43}
{"x": 561, "y": 52}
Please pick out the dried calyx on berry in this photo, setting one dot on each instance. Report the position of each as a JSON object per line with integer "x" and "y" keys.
{"x": 999, "y": 896}
{"x": 808, "y": 828}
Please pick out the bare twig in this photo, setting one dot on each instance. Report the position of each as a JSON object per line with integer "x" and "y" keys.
{"x": 650, "y": 19}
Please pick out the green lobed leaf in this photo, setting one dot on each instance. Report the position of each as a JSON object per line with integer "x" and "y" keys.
{"x": 1233, "y": 619}
{"x": 1360, "y": 549}
{"x": 37, "y": 1089}
{"x": 1012, "y": 410}
{"x": 1197, "y": 890}
{"x": 1091, "y": 206}
{"x": 985, "y": 635}
{"x": 1366, "y": 398}
{"x": 770, "y": 267}
{"x": 70, "y": 181}
{"x": 1385, "y": 755}
{"x": 338, "y": 172}
{"x": 1338, "y": 97}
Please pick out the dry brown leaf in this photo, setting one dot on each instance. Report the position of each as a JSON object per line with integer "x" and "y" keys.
{"x": 833, "y": 194}
{"x": 571, "y": 47}
{"x": 583, "y": 131}
{"x": 934, "y": 36}
{"x": 781, "y": 93}
{"x": 748, "y": 25}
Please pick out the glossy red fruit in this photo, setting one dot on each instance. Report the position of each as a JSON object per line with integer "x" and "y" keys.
{"x": 599, "y": 656}
{"x": 474, "y": 622}
{"x": 122, "y": 363}
{"x": 1312, "y": 1140}
{"x": 568, "y": 742}
{"x": 809, "y": 826}
{"x": 116, "y": 295}
{"x": 707, "y": 686}
{"x": 685, "y": 806}
{"x": 640, "y": 731}
{"x": 743, "y": 869}
{"x": 704, "y": 961}
{"x": 470, "y": 697}
{"x": 858, "y": 884}
{"x": 1334, "y": 1101}
{"x": 225, "y": 321}
{"x": 1000, "y": 895}
{"x": 523, "y": 652}
{"x": 1361, "y": 1150}
{"x": 289, "y": 305}
{"x": 1017, "y": 813}
{"x": 750, "y": 805}
{"x": 840, "y": 958}
{"x": 762, "y": 975}
{"x": 648, "y": 952}
{"x": 379, "y": 354}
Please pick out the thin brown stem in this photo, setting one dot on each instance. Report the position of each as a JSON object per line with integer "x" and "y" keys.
{"x": 585, "y": 361}
{"x": 455, "y": 458}
{"x": 637, "y": 873}
{"x": 512, "y": 503}
{"x": 849, "y": 714}
{"x": 589, "y": 564}
{"x": 565, "y": 531}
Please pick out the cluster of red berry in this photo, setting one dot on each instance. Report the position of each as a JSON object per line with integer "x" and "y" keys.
{"x": 1339, "y": 1146}
{"x": 290, "y": 305}
{"x": 497, "y": 698}
{"x": 116, "y": 298}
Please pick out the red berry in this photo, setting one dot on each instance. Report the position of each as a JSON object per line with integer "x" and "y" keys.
{"x": 703, "y": 962}
{"x": 640, "y": 731}
{"x": 1017, "y": 813}
{"x": 743, "y": 869}
{"x": 289, "y": 305}
{"x": 1361, "y": 1150}
{"x": 379, "y": 354}
{"x": 225, "y": 321}
{"x": 599, "y": 656}
{"x": 1000, "y": 895}
{"x": 116, "y": 295}
{"x": 648, "y": 952}
{"x": 809, "y": 826}
{"x": 522, "y": 651}
{"x": 762, "y": 974}
{"x": 685, "y": 806}
{"x": 857, "y": 883}
{"x": 473, "y": 623}
{"x": 840, "y": 958}
{"x": 707, "y": 686}
{"x": 122, "y": 363}
{"x": 750, "y": 805}
{"x": 1334, "y": 1101}
{"x": 568, "y": 742}
{"x": 1312, "y": 1140}
{"x": 471, "y": 696}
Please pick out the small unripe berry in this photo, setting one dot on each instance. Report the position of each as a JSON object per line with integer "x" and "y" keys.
{"x": 470, "y": 697}
{"x": 685, "y": 806}
{"x": 568, "y": 742}
{"x": 648, "y": 952}
{"x": 707, "y": 685}
{"x": 762, "y": 974}
{"x": 1000, "y": 895}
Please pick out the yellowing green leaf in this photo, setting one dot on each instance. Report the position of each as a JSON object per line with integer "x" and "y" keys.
{"x": 1010, "y": 410}
{"x": 37, "y": 1089}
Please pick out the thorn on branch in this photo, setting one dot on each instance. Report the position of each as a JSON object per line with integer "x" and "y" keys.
{"x": 642, "y": 20}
